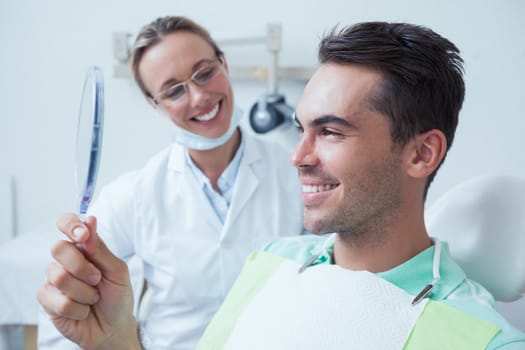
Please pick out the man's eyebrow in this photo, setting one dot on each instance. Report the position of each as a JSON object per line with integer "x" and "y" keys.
{"x": 330, "y": 119}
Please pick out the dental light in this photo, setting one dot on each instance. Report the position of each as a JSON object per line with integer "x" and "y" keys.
{"x": 269, "y": 112}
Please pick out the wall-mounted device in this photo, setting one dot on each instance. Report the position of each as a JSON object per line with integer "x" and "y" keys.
{"x": 269, "y": 112}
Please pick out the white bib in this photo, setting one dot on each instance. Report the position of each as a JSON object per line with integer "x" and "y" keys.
{"x": 325, "y": 307}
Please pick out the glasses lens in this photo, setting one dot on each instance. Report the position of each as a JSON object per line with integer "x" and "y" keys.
{"x": 175, "y": 92}
{"x": 204, "y": 75}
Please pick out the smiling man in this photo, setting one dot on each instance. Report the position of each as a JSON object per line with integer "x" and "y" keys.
{"x": 376, "y": 121}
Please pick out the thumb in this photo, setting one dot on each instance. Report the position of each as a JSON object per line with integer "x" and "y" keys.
{"x": 99, "y": 254}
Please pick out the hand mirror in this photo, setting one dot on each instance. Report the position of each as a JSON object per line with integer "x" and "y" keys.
{"x": 89, "y": 137}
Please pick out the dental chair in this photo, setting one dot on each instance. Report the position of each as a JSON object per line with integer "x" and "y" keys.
{"x": 483, "y": 220}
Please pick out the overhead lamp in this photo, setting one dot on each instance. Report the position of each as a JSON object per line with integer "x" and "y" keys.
{"x": 270, "y": 112}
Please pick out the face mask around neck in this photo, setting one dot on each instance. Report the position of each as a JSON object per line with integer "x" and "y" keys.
{"x": 201, "y": 143}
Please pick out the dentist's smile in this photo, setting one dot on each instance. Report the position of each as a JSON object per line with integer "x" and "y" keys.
{"x": 207, "y": 116}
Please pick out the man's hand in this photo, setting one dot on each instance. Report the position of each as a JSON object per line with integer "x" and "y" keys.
{"x": 88, "y": 293}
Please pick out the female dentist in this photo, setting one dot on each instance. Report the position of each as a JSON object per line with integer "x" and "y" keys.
{"x": 195, "y": 211}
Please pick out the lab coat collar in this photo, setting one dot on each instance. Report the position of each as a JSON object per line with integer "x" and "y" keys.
{"x": 177, "y": 161}
{"x": 246, "y": 181}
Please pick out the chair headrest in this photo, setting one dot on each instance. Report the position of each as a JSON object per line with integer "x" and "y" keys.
{"x": 483, "y": 220}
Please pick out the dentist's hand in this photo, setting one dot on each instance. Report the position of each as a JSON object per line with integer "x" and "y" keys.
{"x": 88, "y": 293}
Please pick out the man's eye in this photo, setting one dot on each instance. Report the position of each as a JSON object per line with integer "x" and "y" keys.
{"x": 329, "y": 132}
{"x": 297, "y": 125}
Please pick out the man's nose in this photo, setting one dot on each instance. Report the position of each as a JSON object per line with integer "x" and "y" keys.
{"x": 304, "y": 153}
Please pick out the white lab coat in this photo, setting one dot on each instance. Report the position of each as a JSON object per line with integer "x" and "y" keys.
{"x": 191, "y": 260}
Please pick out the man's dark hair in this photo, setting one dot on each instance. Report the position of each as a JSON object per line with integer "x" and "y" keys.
{"x": 422, "y": 72}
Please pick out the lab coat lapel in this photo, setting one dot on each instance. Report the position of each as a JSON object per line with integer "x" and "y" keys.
{"x": 245, "y": 184}
{"x": 189, "y": 187}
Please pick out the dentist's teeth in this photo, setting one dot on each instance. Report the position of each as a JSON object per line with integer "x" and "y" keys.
{"x": 208, "y": 116}
{"x": 317, "y": 188}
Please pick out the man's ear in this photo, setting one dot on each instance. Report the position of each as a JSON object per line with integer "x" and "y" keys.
{"x": 425, "y": 153}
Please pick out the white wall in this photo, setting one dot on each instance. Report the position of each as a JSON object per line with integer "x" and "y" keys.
{"x": 46, "y": 47}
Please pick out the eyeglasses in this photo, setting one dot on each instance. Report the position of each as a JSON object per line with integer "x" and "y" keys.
{"x": 200, "y": 77}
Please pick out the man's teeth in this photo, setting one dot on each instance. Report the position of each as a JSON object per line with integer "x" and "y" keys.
{"x": 208, "y": 116}
{"x": 318, "y": 188}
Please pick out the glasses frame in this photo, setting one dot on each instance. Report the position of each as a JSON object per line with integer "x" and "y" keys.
{"x": 158, "y": 99}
